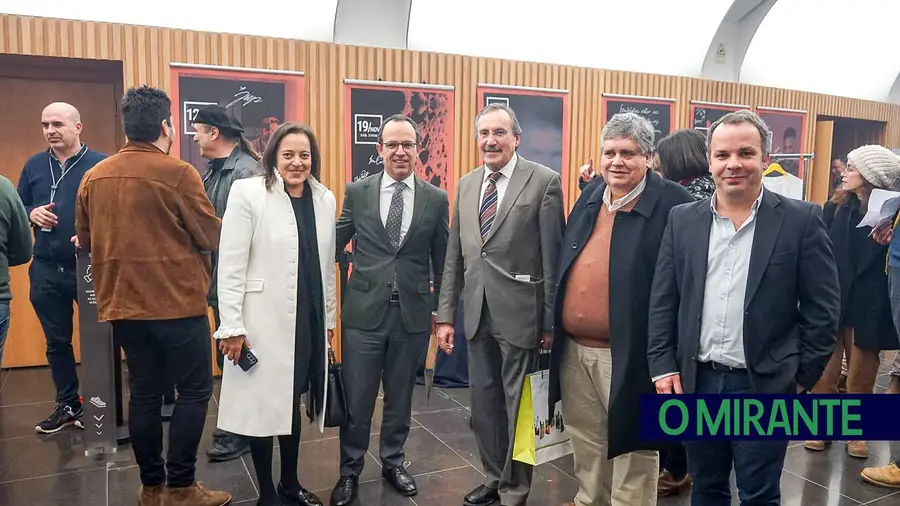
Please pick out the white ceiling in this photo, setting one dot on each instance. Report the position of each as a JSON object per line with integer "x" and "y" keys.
{"x": 839, "y": 47}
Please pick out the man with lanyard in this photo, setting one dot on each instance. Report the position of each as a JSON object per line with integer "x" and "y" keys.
{"x": 220, "y": 137}
{"x": 48, "y": 187}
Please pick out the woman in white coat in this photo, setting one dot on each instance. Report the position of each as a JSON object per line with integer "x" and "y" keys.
{"x": 277, "y": 299}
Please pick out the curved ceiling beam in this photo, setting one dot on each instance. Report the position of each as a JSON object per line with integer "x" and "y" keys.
{"x": 379, "y": 23}
{"x": 726, "y": 52}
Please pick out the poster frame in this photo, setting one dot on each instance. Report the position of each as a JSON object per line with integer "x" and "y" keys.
{"x": 717, "y": 106}
{"x": 351, "y": 84}
{"x": 565, "y": 170}
{"x": 799, "y": 113}
{"x": 606, "y": 97}
{"x": 294, "y": 90}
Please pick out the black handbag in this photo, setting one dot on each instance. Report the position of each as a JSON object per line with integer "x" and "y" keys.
{"x": 336, "y": 413}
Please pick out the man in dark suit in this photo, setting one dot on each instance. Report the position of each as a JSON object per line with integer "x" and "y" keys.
{"x": 508, "y": 224}
{"x": 745, "y": 301}
{"x": 401, "y": 224}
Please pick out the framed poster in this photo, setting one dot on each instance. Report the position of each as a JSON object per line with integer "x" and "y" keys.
{"x": 658, "y": 110}
{"x": 788, "y": 129}
{"x": 544, "y": 117}
{"x": 260, "y": 99}
{"x": 430, "y": 106}
{"x": 704, "y": 114}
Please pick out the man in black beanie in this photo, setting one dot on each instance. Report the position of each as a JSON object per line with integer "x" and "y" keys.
{"x": 220, "y": 137}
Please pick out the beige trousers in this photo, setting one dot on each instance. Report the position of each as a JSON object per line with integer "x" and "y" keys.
{"x": 627, "y": 480}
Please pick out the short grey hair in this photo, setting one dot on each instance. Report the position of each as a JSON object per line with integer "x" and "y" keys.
{"x": 630, "y": 126}
{"x": 500, "y": 106}
{"x": 741, "y": 117}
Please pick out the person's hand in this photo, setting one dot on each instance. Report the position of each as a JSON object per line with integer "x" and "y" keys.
{"x": 43, "y": 216}
{"x": 330, "y": 338}
{"x": 74, "y": 241}
{"x": 669, "y": 385}
{"x": 883, "y": 235}
{"x": 546, "y": 339}
{"x": 587, "y": 171}
{"x": 445, "y": 332}
{"x": 231, "y": 347}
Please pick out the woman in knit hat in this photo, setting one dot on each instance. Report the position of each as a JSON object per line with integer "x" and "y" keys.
{"x": 866, "y": 326}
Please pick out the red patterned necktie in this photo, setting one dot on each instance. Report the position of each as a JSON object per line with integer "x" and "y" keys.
{"x": 489, "y": 205}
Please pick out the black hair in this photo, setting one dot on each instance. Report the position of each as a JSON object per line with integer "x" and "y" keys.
{"x": 143, "y": 111}
{"x": 235, "y": 136}
{"x": 682, "y": 155}
{"x": 399, "y": 117}
{"x": 271, "y": 153}
{"x": 790, "y": 132}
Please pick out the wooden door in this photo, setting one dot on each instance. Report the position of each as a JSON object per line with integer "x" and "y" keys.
{"x": 21, "y": 102}
{"x": 820, "y": 178}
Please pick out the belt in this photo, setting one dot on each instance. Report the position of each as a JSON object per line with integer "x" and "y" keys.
{"x": 395, "y": 298}
{"x": 715, "y": 366}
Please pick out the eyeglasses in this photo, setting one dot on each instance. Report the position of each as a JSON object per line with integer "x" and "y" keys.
{"x": 484, "y": 134}
{"x": 392, "y": 146}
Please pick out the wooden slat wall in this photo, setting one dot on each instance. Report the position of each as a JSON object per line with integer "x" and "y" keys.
{"x": 146, "y": 52}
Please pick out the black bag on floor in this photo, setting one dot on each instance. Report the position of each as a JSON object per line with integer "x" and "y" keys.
{"x": 336, "y": 413}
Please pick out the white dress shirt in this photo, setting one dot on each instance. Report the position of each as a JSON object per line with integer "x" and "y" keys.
{"x": 727, "y": 266}
{"x": 409, "y": 195}
{"x": 624, "y": 201}
{"x": 502, "y": 182}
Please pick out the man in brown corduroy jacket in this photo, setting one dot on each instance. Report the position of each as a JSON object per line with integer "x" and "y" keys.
{"x": 146, "y": 221}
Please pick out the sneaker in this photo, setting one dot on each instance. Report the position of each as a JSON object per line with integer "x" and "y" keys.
{"x": 195, "y": 495}
{"x": 816, "y": 446}
{"x": 63, "y": 415}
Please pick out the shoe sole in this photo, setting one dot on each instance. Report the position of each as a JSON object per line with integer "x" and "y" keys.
{"x": 879, "y": 483}
{"x": 76, "y": 423}
{"x": 230, "y": 457}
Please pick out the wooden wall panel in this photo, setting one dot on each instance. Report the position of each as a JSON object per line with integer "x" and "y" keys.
{"x": 147, "y": 51}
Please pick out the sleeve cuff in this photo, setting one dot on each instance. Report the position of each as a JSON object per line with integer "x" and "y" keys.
{"x": 226, "y": 332}
{"x": 661, "y": 376}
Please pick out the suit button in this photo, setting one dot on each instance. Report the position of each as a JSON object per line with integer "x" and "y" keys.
{"x": 483, "y": 254}
{"x": 574, "y": 245}
{"x": 693, "y": 359}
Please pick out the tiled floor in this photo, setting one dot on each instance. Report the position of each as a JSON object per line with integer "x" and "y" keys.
{"x": 51, "y": 470}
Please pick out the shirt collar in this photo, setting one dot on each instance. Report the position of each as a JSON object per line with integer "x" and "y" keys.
{"x": 753, "y": 208}
{"x": 81, "y": 150}
{"x": 507, "y": 169}
{"x": 627, "y": 199}
{"x": 388, "y": 181}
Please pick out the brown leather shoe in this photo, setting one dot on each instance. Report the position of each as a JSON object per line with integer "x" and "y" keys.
{"x": 858, "y": 449}
{"x": 196, "y": 495}
{"x": 893, "y": 385}
{"x": 816, "y": 446}
{"x": 669, "y": 486}
{"x": 884, "y": 476}
{"x": 150, "y": 496}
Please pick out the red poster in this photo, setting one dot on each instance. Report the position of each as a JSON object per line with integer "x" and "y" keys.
{"x": 369, "y": 103}
{"x": 544, "y": 118}
{"x": 788, "y": 137}
{"x": 260, "y": 99}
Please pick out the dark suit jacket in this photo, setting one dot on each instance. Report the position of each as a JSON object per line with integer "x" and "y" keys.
{"x": 865, "y": 300}
{"x": 423, "y": 248}
{"x": 792, "y": 301}
{"x": 635, "y": 244}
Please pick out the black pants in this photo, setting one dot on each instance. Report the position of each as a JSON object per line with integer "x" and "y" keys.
{"x": 157, "y": 350}
{"x": 757, "y": 464}
{"x": 389, "y": 356}
{"x": 54, "y": 290}
{"x": 675, "y": 461}
{"x": 289, "y": 448}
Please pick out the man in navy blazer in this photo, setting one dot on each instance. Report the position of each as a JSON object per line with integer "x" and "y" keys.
{"x": 745, "y": 300}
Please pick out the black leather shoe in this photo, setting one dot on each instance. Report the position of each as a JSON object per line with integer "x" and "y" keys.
{"x": 300, "y": 497}
{"x": 400, "y": 480}
{"x": 482, "y": 496}
{"x": 227, "y": 448}
{"x": 345, "y": 491}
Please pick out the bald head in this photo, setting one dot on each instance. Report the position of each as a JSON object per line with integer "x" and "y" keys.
{"x": 61, "y": 123}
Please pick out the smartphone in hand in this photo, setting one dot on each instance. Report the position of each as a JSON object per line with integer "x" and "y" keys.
{"x": 247, "y": 359}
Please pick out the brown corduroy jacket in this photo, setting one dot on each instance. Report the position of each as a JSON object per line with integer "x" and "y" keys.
{"x": 146, "y": 221}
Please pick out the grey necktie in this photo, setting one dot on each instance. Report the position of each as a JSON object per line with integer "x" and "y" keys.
{"x": 395, "y": 215}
